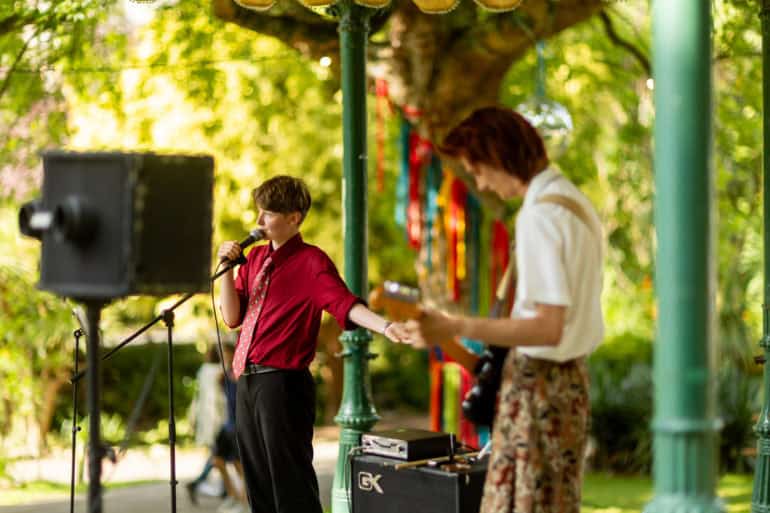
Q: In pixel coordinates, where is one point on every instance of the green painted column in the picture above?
(357, 413)
(760, 500)
(685, 426)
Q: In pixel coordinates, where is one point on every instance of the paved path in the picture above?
(156, 498)
(153, 465)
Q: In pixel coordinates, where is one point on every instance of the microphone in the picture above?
(253, 236)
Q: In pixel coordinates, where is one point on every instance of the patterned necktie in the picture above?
(256, 301)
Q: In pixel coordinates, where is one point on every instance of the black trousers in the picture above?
(274, 416)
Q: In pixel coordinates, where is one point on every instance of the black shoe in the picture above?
(192, 492)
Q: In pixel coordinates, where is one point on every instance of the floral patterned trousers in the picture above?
(539, 437)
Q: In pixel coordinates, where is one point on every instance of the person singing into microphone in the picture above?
(277, 299)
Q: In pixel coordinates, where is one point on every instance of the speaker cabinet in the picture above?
(376, 487)
(125, 223)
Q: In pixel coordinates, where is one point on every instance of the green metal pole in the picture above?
(357, 413)
(685, 426)
(760, 499)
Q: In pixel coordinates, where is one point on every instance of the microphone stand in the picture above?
(168, 320)
(93, 398)
(93, 309)
(75, 428)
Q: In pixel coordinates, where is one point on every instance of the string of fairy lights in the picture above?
(193, 65)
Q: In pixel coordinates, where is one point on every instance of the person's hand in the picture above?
(431, 328)
(229, 250)
(396, 332)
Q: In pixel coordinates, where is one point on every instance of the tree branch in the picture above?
(723, 56)
(644, 62)
(10, 23)
(7, 80)
(311, 38)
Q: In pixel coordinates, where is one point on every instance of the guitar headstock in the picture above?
(400, 302)
(401, 292)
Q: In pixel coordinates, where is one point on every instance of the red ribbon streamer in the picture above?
(500, 254)
(419, 156)
(456, 236)
(381, 90)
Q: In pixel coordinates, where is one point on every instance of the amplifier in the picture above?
(377, 487)
(407, 444)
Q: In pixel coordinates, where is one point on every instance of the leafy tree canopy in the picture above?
(251, 90)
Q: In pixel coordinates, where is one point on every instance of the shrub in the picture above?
(621, 404)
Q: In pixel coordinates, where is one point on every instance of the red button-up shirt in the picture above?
(303, 283)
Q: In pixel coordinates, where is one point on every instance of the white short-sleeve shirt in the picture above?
(559, 262)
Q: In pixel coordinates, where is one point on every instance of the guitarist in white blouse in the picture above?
(543, 408)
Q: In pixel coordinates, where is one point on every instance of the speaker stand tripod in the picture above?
(96, 450)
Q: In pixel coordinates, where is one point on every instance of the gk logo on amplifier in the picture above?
(368, 482)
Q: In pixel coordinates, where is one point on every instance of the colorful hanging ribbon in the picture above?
(467, 429)
(436, 395)
(454, 221)
(473, 243)
(500, 253)
(452, 378)
(402, 187)
(381, 107)
(432, 189)
(420, 153)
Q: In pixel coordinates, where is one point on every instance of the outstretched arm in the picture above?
(365, 318)
(544, 329)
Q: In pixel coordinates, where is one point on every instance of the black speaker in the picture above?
(115, 224)
(377, 487)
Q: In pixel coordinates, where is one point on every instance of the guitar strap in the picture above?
(504, 288)
(574, 207)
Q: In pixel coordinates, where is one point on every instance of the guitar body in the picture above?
(400, 302)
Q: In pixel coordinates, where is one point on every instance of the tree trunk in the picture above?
(442, 66)
(51, 388)
(329, 346)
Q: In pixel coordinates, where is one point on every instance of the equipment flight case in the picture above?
(378, 485)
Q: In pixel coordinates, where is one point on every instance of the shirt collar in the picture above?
(538, 183)
(288, 248)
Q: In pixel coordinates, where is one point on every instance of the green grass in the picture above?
(602, 493)
(612, 494)
(46, 491)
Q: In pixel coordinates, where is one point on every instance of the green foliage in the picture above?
(605, 90)
(621, 408)
(621, 404)
(35, 336)
(738, 154)
(123, 377)
(36, 40)
(739, 400)
(399, 377)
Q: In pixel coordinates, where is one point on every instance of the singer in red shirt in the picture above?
(277, 298)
